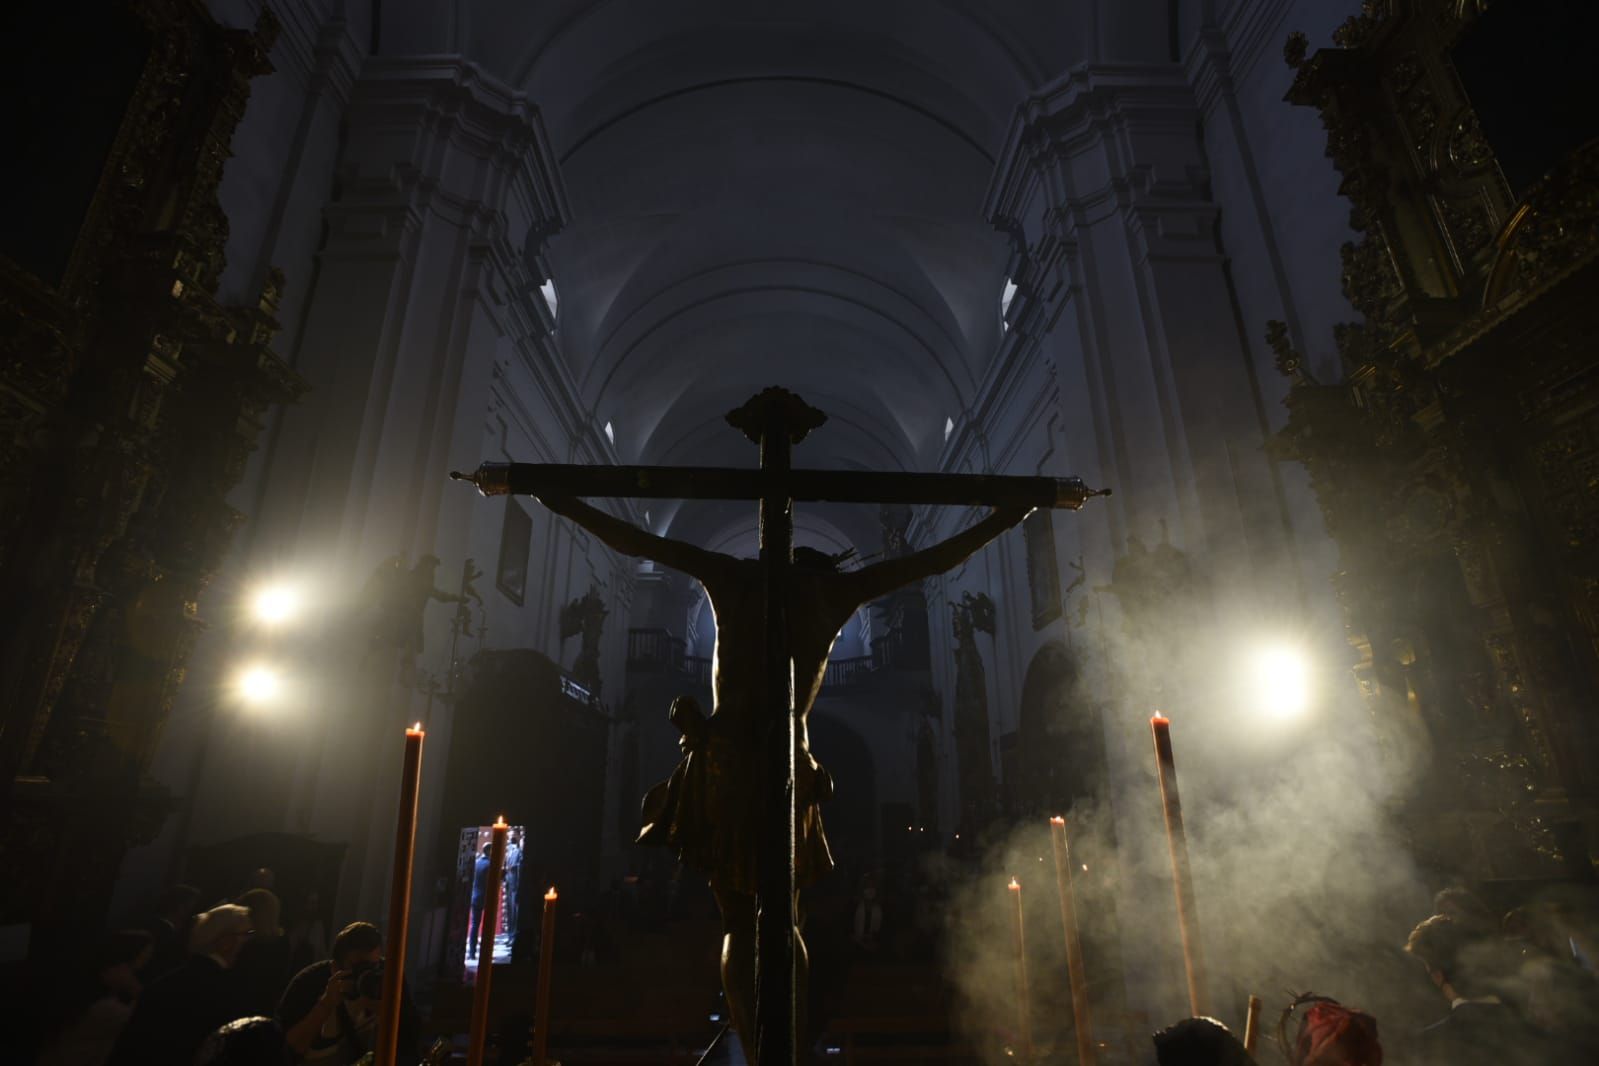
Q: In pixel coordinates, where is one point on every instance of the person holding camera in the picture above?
(329, 1011)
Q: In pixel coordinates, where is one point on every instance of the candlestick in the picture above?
(1182, 877)
(1023, 1013)
(1252, 1025)
(477, 1035)
(1074, 947)
(388, 1022)
(541, 1007)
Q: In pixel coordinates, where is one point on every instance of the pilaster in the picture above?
(427, 282)
(1104, 189)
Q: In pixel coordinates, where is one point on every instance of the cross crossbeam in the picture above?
(809, 486)
(776, 420)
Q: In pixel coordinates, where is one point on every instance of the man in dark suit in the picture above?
(177, 1012)
(513, 883)
(480, 885)
(1481, 1028)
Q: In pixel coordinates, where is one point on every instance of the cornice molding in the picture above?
(1075, 113)
(414, 109)
(337, 62)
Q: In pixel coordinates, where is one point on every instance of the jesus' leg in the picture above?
(738, 960)
(738, 966)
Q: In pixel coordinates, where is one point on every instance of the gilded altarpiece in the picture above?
(130, 400)
(1456, 458)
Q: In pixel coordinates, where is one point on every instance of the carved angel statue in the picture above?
(395, 601)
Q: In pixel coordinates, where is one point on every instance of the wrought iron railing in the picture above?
(658, 650)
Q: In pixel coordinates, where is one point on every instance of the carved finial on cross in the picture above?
(779, 406)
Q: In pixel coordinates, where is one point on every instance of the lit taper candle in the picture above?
(388, 1024)
(477, 1035)
(1182, 877)
(1024, 1022)
(1074, 946)
(541, 1006)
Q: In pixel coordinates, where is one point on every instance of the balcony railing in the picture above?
(654, 649)
(657, 650)
(843, 672)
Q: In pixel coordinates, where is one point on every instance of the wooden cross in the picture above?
(776, 420)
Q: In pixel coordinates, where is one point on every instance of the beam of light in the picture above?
(276, 604)
(259, 685)
(1281, 679)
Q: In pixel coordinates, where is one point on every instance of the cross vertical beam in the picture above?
(776, 420)
(776, 1006)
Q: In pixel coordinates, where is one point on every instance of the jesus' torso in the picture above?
(817, 610)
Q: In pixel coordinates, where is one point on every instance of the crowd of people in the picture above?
(227, 986)
(1521, 990)
(230, 986)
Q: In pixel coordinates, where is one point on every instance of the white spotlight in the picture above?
(1282, 682)
(275, 604)
(259, 684)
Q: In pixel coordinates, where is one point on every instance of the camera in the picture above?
(366, 980)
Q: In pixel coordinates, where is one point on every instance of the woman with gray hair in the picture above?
(178, 1012)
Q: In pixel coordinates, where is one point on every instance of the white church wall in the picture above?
(1281, 223)
(428, 349)
(1126, 320)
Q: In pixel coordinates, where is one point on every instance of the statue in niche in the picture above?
(896, 520)
(901, 615)
(709, 810)
(972, 615)
(585, 617)
(396, 599)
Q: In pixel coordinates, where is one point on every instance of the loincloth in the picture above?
(709, 811)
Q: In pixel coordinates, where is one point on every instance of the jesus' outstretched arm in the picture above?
(879, 579)
(631, 540)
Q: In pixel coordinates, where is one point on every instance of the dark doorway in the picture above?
(851, 815)
(1061, 744)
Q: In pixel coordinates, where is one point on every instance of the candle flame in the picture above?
(1014, 886)
(550, 896)
(417, 728)
(499, 823)
(1057, 820)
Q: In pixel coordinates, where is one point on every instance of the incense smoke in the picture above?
(1302, 878)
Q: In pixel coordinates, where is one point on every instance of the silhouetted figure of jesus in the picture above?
(710, 810)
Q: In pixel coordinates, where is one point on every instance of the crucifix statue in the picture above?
(742, 806)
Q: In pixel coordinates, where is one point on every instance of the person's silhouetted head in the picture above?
(357, 942)
(1330, 1034)
(1465, 908)
(1199, 1042)
(246, 1042)
(265, 911)
(221, 932)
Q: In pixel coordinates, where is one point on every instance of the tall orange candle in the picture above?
(1252, 1025)
(541, 1007)
(388, 1024)
(477, 1035)
(1023, 1013)
(1074, 946)
(1182, 877)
